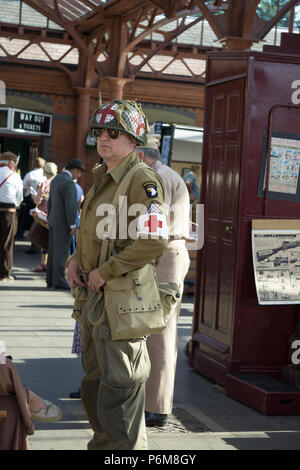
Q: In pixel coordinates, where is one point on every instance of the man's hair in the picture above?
(9, 156)
(39, 162)
(194, 168)
(154, 154)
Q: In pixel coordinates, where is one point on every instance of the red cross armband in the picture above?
(153, 224)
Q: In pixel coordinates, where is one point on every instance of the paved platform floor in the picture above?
(36, 324)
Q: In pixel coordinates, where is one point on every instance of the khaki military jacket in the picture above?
(146, 188)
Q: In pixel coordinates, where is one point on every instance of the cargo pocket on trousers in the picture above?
(126, 363)
(80, 295)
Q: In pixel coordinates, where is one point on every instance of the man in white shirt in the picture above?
(172, 266)
(31, 181)
(33, 178)
(11, 196)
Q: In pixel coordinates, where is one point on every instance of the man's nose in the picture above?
(104, 134)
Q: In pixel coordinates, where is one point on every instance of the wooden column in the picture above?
(83, 109)
(236, 43)
(199, 117)
(116, 87)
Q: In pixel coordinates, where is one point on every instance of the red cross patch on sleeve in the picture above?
(153, 224)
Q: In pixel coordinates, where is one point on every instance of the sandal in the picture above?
(50, 414)
(40, 268)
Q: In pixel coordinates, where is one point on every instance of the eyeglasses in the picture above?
(112, 133)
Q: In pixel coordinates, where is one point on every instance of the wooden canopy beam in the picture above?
(169, 37)
(44, 10)
(249, 18)
(111, 28)
(212, 19)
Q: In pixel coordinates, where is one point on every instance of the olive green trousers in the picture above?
(113, 389)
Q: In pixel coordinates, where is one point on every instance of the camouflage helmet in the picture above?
(122, 115)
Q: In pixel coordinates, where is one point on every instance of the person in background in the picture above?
(41, 201)
(79, 199)
(22, 406)
(31, 181)
(76, 345)
(11, 196)
(62, 213)
(172, 266)
(191, 181)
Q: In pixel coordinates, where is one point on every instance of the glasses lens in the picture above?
(112, 133)
(97, 132)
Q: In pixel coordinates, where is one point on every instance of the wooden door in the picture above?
(33, 154)
(214, 318)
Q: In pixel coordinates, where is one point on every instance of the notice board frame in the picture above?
(279, 262)
(281, 196)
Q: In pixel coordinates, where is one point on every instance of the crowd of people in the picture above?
(28, 202)
(129, 373)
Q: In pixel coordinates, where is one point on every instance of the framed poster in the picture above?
(284, 167)
(166, 149)
(276, 261)
(185, 171)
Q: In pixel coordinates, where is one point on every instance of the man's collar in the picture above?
(156, 164)
(119, 172)
(67, 171)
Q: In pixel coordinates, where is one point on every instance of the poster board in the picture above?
(284, 167)
(276, 260)
(166, 132)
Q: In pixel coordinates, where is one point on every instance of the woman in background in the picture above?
(41, 201)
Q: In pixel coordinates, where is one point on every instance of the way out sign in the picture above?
(31, 122)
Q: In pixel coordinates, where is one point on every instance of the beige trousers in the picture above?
(162, 348)
(113, 389)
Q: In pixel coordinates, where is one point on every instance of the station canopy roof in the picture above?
(168, 39)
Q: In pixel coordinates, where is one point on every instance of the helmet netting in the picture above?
(124, 114)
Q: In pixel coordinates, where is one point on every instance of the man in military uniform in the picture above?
(172, 266)
(113, 389)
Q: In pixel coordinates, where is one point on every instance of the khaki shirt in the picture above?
(130, 253)
(177, 201)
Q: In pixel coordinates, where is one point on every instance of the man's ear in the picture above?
(141, 155)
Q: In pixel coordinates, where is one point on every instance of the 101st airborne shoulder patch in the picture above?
(151, 189)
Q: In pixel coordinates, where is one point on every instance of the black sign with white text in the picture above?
(34, 123)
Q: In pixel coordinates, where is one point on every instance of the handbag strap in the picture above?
(5, 179)
(107, 243)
